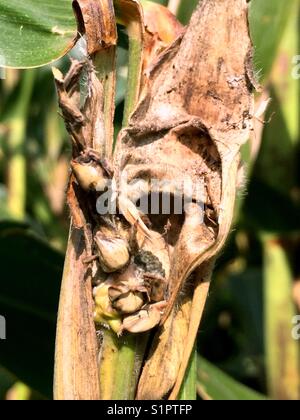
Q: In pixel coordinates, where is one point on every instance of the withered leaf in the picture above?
(194, 116)
(163, 365)
(76, 373)
(76, 365)
(96, 19)
(130, 12)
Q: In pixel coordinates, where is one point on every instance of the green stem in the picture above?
(134, 71)
(126, 378)
(120, 364)
(121, 358)
(130, 14)
(16, 146)
(108, 364)
(189, 387)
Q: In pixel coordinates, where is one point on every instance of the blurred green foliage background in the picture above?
(246, 336)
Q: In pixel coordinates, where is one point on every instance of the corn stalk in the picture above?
(188, 111)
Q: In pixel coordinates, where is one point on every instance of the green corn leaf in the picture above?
(268, 19)
(214, 384)
(186, 9)
(34, 33)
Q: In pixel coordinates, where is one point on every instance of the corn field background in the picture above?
(249, 340)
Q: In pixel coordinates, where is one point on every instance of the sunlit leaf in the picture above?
(34, 33)
(268, 19)
(214, 384)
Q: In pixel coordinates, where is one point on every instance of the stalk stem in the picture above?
(189, 386)
(121, 358)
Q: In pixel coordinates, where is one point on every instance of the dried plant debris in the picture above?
(189, 125)
(171, 182)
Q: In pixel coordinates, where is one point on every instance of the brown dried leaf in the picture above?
(76, 367)
(94, 130)
(78, 219)
(203, 277)
(76, 370)
(69, 103)
(130, 13)
(296, 293)
(96, 19)
(161, 369)
(194, 115)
